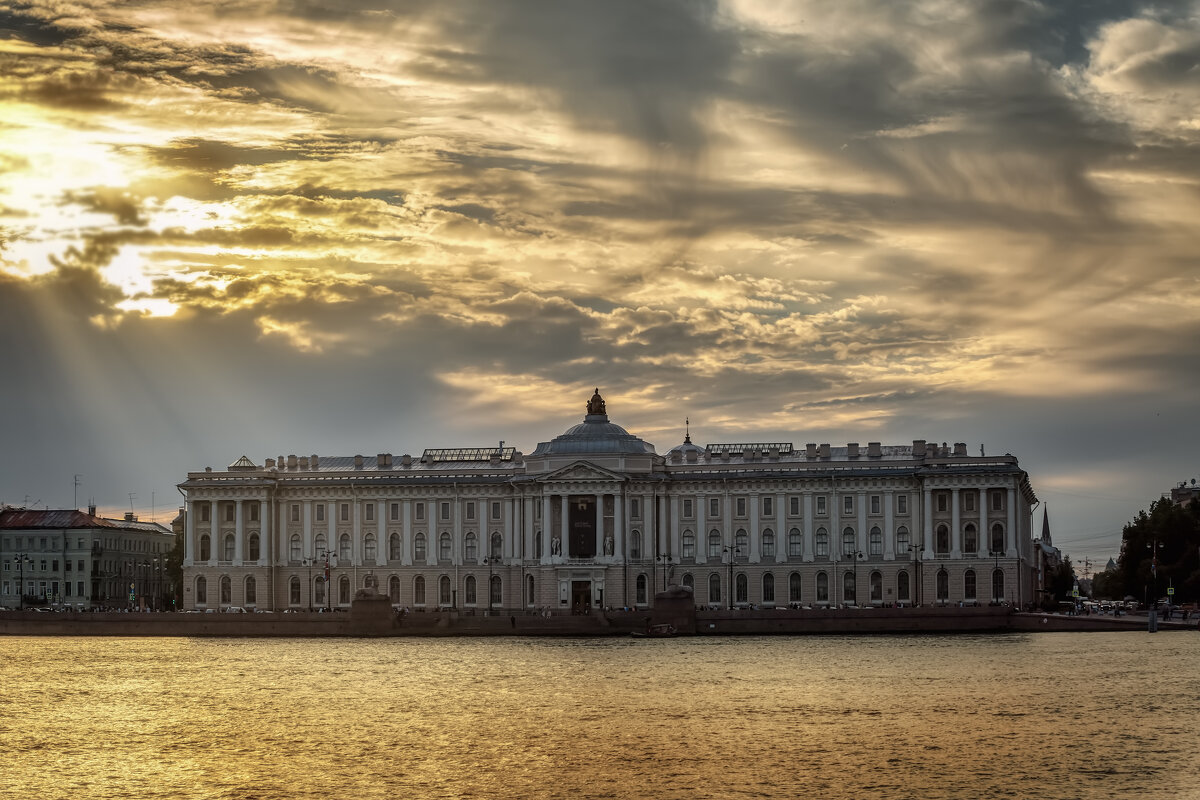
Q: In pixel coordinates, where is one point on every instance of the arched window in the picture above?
(321, 545)
(997, 585)
(419, 552)
(689, 582)
(942, 539)
(768, 588)
(794, 587)
(822, 543)
(848, 542)
(394, 547)
(369, 551)
(768, 543)
(419, 591)
(230, 547)
(444, 590)
(201, 589)
(496, 596)
(741, 541)
(294, 591)
(251, 591)
(205, 548)
(394, 589)
(876, 587)
(343, 590)
(743, 588)
(641, 589)
(849, 588)
(470, 596)
(444, 547)
(469, 549)
(344, 548)
(876, 541)
(226, 590)
(714, 588)
(319, 592)
(635, 545)
(970, 539)
(254, 549)
(497, 544)
(714, 544)
(294, 552)
(689, 544)
(969, 585)
(530, 595)
(902, 589)
(943, 585)
(997, 538)
(370, 581)
(822, 587)
(902, 544)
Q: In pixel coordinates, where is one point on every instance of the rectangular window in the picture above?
(941, 501)
(875, 504)
(714, 508)
(81, 543)
(445, 511)
(394, 512)
(369, 510)
(320, 512)
(229, 512)
(847, 504)
(204, 512)
(821, 506)
(43, 547)
(495, 510)
(419, 508)
(254, 512)
(470, 509)
(768, 506)
(741, 507)
(80, 563)
(54, 568)
(687, 508)
(969, 501)
(295, 513)
(901, 504)
(997, 501)
(67, 565)
(344, 512)
(635, 508)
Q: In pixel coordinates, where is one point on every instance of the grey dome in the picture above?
(595, 435)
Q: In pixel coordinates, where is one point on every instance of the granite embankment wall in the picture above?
(377, 622)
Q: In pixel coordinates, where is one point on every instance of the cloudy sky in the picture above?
(341, 226)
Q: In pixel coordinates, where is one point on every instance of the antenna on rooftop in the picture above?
(152, 506)
(77, 482)
(131, 496)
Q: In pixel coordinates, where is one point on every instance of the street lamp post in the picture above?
(733, 551)
(916, 593)
(858, 556)
(995, 554)
(21, 559)
(1152, 611)
(490, 561)
(665, 560)
(308, 562)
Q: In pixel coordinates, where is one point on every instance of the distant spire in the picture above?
(687, 430)
(1046, 524)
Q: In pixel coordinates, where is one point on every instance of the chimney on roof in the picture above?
(129, 517)
(358, 462)
(269, 463)
(303, 462)
(810, 450)
(960, 448)
(874, 450)
(918, 448)
(852, 449)
(293, 462)
(406, 460)
(824, 451)
(313, 462)
(91, 509)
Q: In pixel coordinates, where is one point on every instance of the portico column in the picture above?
(214, 536)
(308, 529)
(889, 527)
(527, 548)
(862, 524)
(600, 524)
(264, 533)
(755, 554)
(807, 532)
(1010, 537)
(563, 527)
(331, 545)
(674, 548)
(927, 520)
(547, 521)
(237, 533)
(781, 528)
(701, 528)
(955, 524)
(189, 541)
(406, 533)
(355, 536)
(382, 542)
(619, 525)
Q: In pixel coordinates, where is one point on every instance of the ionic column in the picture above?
(189, 541)
(889, 528)
(406, 533)
(1010, 535)
(619, 525)
(755, 554)
(600, 523)
(984, 534)
(264, 534)
(701, 529)
(214, 537)
(563, 527)
(863, 541)
(546, 521)
(238, 536)
(308, 529)
(927, 520)
(675, 548)
(955, 523)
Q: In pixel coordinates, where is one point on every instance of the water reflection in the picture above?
(1045, 715)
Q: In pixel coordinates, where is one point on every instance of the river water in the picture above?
(1101, 715)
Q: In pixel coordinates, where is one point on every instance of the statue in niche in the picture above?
(556, 546)
(608, 545)
(596, 404)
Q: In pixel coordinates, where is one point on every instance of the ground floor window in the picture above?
(201, 590)
(641, 589)
(714, 588)
(822, 587)
(742, 588)
(876, 587)
(794, 587)
(343, 590)
(294, 591)
(998, 585)
(226, 590)
(394, 589)
(902, 590)
(768, 588)
(419, 591)
(943, 585)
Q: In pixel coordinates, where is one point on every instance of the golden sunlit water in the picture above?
(1035, 715)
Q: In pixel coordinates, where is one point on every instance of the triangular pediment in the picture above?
(581, 471)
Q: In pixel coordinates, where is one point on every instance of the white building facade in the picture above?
(595, 517)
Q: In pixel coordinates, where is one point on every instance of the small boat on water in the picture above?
(661, 631)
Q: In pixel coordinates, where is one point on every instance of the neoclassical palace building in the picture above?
(595, 517)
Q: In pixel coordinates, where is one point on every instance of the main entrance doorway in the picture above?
(581, 597)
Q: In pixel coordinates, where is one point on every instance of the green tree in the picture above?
(1169, 535)
(1107, 585)
(174, 571)
(1062, 580)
